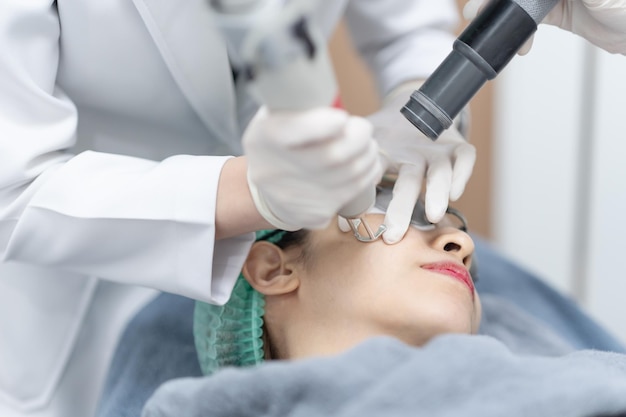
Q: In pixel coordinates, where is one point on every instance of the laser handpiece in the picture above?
(282, 57)
(480, 52)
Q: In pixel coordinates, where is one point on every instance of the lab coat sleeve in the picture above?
(402, 40)
(110, 216)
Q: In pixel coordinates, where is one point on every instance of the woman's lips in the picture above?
(453, 270)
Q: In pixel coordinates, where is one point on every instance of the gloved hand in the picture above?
(601, 22)
(303, 167)
(446, 164)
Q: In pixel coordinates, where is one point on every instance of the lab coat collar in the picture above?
(193, 50)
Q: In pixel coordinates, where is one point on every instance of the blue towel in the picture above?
(452, 375)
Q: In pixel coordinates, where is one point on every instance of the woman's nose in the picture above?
(456, 242)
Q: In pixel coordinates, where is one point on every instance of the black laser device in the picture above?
(480, 52)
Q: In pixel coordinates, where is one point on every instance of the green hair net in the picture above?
(231, 334)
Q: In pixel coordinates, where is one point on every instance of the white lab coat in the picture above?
(115, 120)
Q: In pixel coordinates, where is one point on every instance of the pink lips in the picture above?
(453, 270)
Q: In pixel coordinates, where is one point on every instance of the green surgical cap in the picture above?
(231, 334)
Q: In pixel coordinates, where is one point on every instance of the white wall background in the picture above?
(560, 170)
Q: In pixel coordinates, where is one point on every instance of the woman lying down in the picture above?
(345, 328)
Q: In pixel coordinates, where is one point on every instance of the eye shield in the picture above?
(419, 220)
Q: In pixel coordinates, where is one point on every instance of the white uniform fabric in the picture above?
(115, 120)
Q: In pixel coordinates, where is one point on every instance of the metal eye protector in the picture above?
(418, 217)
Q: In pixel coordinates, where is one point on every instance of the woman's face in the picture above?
(413, 290)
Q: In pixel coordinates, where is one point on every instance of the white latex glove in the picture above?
(601, 22)
(303, 167)
(446, 164)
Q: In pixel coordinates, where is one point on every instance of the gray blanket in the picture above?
(452, 375)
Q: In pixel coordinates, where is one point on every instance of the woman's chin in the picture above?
(445, 320)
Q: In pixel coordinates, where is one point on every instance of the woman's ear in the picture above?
(267, 270)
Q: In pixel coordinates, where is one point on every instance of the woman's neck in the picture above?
(308, 338)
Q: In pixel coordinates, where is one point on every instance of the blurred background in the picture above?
(550, 177)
